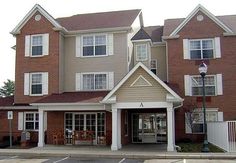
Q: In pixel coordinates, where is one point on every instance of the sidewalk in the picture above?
(105, 152)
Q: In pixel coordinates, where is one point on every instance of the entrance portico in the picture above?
(142, 90)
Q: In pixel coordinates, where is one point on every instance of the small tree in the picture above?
(192, 115)
(8, 88)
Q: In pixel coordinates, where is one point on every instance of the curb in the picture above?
(74, 154)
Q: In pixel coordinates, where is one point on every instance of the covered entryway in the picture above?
(140, 91)
(149, 128)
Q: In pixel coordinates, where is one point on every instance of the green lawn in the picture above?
(196, 147)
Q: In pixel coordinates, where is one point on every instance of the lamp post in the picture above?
(203, 70)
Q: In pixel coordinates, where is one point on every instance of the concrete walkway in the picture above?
(133, 151)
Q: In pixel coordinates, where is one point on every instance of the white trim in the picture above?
(17, 107)
(206, 12)
(34, 120)
(141, 105)
(142, 40)
(36, 8)
(141, 77)
(89, 107)
(30, 83)
(110, 94)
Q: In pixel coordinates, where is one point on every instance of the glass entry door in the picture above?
(149, 127)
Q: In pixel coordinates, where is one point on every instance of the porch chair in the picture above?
(58, 138)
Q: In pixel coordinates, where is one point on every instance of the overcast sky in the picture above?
(154, 13)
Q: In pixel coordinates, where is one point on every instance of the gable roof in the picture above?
(151, 32)
(140, 64)
(74, 97)
(111, 19)
(189, 17)
(36, 8)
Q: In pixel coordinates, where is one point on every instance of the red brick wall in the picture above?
(178, 67)
(48, 63)
(108, 128)
(55, 123)
(4, 126)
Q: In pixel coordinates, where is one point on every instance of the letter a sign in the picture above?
(10, 115)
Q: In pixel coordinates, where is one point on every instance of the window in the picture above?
(37, 45)
(31, 121)
(154, 66)
(94, 81)
(94, 45)
(210, 85)
(141, 52)
(36, 83)
(201, 49)
(194, 121)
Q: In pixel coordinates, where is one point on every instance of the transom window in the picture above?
(201, 49)
(37, 45)
(210, 85)
(36, 84)
(94, 45)
(141, 52)
(154, 66)
(94, 81)
(31, 121)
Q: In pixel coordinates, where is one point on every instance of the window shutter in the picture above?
(45, 121)
(188, 129)
(217, 47)
(45, 83)
(110, 50)
(26, 83)
(220, 116)
(20, 120)
(45, 43)
(110, 80)
(78, 46)
(27, 46)
(186, 49)
(187, 85)
(78, 83)
(219, 85)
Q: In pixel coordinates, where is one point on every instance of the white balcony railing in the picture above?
(222, 134)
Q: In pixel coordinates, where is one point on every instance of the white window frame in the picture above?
(155, 65)
(31, 45)
(94, 73)
(191, 86)
(94, 46)
(201, 40)
(136, 50)
(34, 120)
(31, 74)
(199, 112)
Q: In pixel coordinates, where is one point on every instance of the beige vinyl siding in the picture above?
(116, 63)
(141, 93)
(159, 53)
(61, 64)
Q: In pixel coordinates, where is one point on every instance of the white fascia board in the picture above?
(140, 64)
(100, 30)
(72, 107)
(205, 11)
(18, 107)
(65, 104)
(36, 8)
(141, 105)
(141, 40)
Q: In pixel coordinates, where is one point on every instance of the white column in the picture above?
(170, 129)
(119, 128)
(41, 129)
(114, 145)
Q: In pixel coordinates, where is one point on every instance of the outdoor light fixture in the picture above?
(203, 70)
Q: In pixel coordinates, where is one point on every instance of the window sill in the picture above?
(94, 56)
(36, 95)
(37, 56)
(141, 60)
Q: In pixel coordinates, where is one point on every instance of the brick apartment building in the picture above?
(105, 79)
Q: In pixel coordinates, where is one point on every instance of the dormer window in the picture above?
(141, 52)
